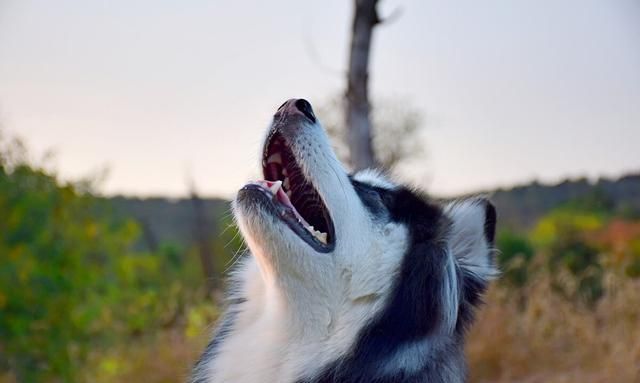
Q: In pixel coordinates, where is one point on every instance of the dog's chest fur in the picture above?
(263, 342)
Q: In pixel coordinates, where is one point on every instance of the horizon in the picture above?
(159, 93)
(506, 188)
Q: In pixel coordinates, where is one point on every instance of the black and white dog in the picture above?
(352, 278)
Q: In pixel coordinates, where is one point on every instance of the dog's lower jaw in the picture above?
(306, 280)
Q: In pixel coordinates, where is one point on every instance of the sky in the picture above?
(163, 92)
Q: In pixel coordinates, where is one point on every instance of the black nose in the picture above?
(304, 106)
(294, 106)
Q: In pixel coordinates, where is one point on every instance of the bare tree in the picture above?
(396, 131)
(357, 117)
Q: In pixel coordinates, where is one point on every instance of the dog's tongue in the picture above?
(276, 188)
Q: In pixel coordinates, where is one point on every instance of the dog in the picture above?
(350, 278)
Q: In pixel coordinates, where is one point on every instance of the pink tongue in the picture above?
(283, 198)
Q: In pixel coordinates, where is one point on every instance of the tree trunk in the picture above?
(358, 122)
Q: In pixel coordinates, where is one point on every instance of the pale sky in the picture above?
(160, 91)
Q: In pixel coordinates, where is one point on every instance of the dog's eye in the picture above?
(387, 198)
(371, 197)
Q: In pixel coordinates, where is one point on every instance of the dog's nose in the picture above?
(297, 106)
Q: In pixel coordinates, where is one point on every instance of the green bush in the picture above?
(574, 263)
(70, 281)
(514, 257)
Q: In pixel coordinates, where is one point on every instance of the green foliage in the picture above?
(574, 263)
(70, 280)
(582, 261)
(632, 268)
(514, 257)
(596, 201)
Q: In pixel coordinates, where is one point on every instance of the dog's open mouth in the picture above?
(298, 202)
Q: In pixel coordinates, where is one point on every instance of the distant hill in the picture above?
(173, 220)
(165, 220)
(520, 207)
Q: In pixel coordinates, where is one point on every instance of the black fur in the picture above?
(490, 222)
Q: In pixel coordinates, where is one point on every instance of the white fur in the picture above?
(467, 238)
(375, 178)
(451, 298)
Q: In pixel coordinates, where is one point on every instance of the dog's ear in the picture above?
(471, 237)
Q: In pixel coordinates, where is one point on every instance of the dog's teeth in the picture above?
(275, 158)
(289, 194)
(286, 183)
(322, 237)
(275, 187)
(285, 172)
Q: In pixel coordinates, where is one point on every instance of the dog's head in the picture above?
(331, 240)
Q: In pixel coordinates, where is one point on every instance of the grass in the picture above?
(540, 337)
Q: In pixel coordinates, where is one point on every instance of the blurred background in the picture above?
(127, 126)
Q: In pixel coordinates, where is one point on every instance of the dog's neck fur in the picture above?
(274, 342)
